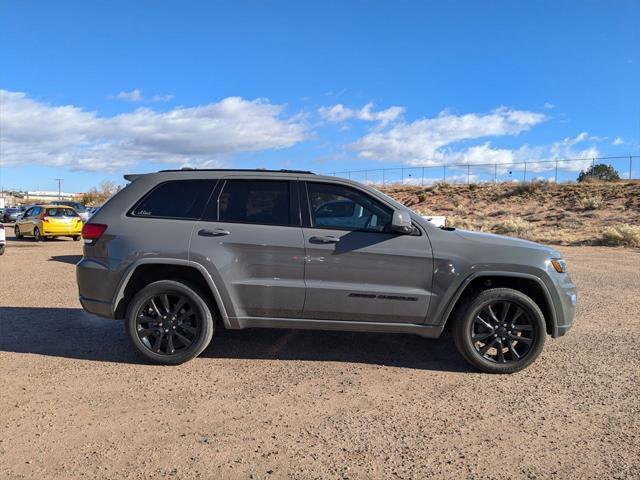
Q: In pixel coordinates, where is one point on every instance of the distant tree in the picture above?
(600, 171)
(97, 196)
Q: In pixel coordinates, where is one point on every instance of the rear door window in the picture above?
(262, 202)
(180, 199)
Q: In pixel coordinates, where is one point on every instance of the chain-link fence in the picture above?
(560, 170)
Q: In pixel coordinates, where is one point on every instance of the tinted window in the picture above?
(335, 206)
(176, 199)
(61, 212)
(265, 202)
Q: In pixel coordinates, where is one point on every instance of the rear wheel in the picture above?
(501, 331)
(169, 322)
(36, 235)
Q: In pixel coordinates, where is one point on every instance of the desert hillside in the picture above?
(565, 214)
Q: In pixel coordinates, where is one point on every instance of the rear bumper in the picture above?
(95, 287)
(96, 307)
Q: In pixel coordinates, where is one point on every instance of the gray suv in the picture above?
(179, 253)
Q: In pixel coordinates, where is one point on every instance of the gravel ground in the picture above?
(76, 402)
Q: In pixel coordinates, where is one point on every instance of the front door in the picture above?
(356, 269)
(250, 240)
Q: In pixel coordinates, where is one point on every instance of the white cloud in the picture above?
(68, 136)
(340, 113)
(422, 141)
(548, 106)
(137, 96)
(132, 96)
(618, 141)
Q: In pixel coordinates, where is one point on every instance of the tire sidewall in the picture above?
(36, 235)
(197, 301)
(463, 331)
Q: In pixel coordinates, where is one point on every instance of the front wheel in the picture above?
(36, 235)
(169, 322)
(16, 232)
(501, 331)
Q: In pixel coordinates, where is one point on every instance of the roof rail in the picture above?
(282, 170)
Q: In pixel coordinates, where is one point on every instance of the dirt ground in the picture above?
(76, 402)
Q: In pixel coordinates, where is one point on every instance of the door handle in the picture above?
(324, 239)
(216, 232)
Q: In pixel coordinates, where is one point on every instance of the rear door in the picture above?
(250, 240)
(356, 269)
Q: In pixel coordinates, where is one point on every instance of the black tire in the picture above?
(36, 235)
(76, 238)
(16, 232)
(2, 247)
(487, 336)
(154, 332)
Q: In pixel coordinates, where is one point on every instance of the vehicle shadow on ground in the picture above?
(73, 333)
(72, 259)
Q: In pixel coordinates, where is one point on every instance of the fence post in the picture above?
(593, 167)
(630, 165)
(468, 173)
(524, 178)
(556, 170)
(422, 181)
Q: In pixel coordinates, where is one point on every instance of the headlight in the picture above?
(559, 264)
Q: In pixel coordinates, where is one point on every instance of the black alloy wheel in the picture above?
(501, 330)
(169, 322)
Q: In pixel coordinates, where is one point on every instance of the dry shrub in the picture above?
(463, 223)
(515, 227)
(591, 202)
(623, 235)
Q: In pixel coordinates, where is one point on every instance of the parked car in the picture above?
(3, 239)
(11, 214)
(77, 206)
(45, 221)
(177, 251)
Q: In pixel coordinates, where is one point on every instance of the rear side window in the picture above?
(182, 199)
(263, 202)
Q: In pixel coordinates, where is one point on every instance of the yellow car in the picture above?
(44, 221)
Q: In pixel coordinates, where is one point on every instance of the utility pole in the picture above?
(59, 180)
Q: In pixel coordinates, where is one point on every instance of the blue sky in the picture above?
(92, 90)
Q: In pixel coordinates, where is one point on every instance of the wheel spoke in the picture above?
(158, 342)
(188, 328)
(178, 306)
(514, 355)
(516, 315)
(145, 332)
(500, 348)
(165, 303)
(142, 318)
(522, 328)
(483, 322)
(155, 307)
(170, 347)
(505, 310)
(524, 340)
(185, 341)
(493, 315)
(185, 315)
(478, 337)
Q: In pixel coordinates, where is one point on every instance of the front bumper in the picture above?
(565, 307)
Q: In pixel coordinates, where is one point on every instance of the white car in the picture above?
(3, 239)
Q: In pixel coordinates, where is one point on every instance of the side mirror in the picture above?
(401, 221)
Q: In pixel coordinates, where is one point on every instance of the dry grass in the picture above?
(623, 235)
(565, 214)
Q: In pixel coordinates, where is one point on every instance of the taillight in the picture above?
(91, 232)
(44, 217)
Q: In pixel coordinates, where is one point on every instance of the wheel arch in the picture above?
(528, 284)
(146, 271)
